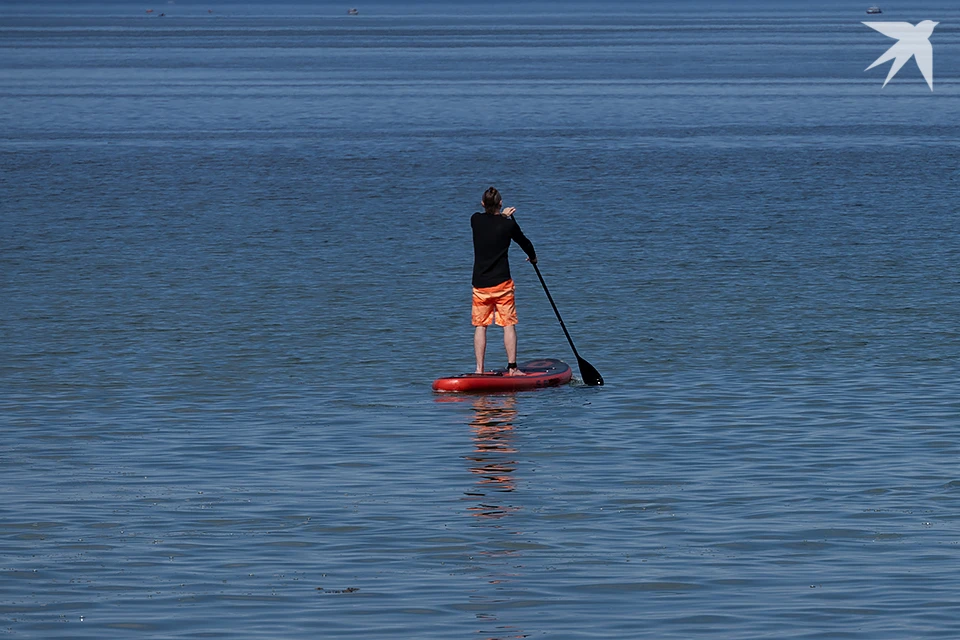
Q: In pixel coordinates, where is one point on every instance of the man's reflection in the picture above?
(493, 462)
(493, 459)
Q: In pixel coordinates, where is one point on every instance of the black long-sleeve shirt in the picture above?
(492, 234)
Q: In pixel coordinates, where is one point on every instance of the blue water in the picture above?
(235, 252)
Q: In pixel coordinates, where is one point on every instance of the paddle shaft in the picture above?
(556, 311)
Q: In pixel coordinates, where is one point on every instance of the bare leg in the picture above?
(480, 346)
(510, 344)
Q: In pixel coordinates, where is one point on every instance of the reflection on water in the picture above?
(494, 457)
(493, 462)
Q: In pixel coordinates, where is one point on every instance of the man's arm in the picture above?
(524, 242)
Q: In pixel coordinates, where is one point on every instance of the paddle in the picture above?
(590, 375)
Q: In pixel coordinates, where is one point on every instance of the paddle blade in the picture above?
(591, 377)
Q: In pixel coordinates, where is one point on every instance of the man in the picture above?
(493, 290)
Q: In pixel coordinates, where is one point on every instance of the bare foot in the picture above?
(515, 372)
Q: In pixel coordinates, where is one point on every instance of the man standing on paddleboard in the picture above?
(493, 290)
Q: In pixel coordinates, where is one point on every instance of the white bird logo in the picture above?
(912, 42)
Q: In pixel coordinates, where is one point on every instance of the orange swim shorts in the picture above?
(498, 298)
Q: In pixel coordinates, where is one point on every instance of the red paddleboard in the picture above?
(540, 373)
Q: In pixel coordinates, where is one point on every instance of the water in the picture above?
(235, 253)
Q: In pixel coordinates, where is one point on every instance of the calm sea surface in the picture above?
(235, 252)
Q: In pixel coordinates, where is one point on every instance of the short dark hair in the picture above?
(491, 199)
